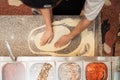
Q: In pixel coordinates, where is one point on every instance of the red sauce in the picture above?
(96, 71)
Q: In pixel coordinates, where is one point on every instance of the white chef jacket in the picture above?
(92, 8)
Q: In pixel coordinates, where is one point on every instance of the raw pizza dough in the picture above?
(58, 32)
(68, 21)
(14, 2)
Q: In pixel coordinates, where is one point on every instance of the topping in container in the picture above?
(13, 71)
(69, 71)
(41, 71)
(96, 71)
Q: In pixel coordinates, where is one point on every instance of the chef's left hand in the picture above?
(62, 41)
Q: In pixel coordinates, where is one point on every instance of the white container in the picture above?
(34, 70)
(34, 66)
(68, 64)
(6, 61)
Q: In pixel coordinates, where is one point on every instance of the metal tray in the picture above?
(34, 65)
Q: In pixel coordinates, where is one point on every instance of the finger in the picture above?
(57, 44)
(50, 39)
(43, 42)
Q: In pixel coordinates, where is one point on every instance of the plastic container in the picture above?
(69, 70)
(11, 70)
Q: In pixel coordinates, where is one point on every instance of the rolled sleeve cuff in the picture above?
(92, 8)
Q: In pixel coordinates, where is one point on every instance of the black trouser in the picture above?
(69, 7)
(66, 7)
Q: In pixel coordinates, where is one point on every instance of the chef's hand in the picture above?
(62, 41)
(46, 37)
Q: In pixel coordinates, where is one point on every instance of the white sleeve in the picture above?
(92, 8)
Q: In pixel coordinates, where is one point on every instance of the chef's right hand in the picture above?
(46, 37)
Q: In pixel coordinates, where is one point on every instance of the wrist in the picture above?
(70, 36)
(49, 28)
